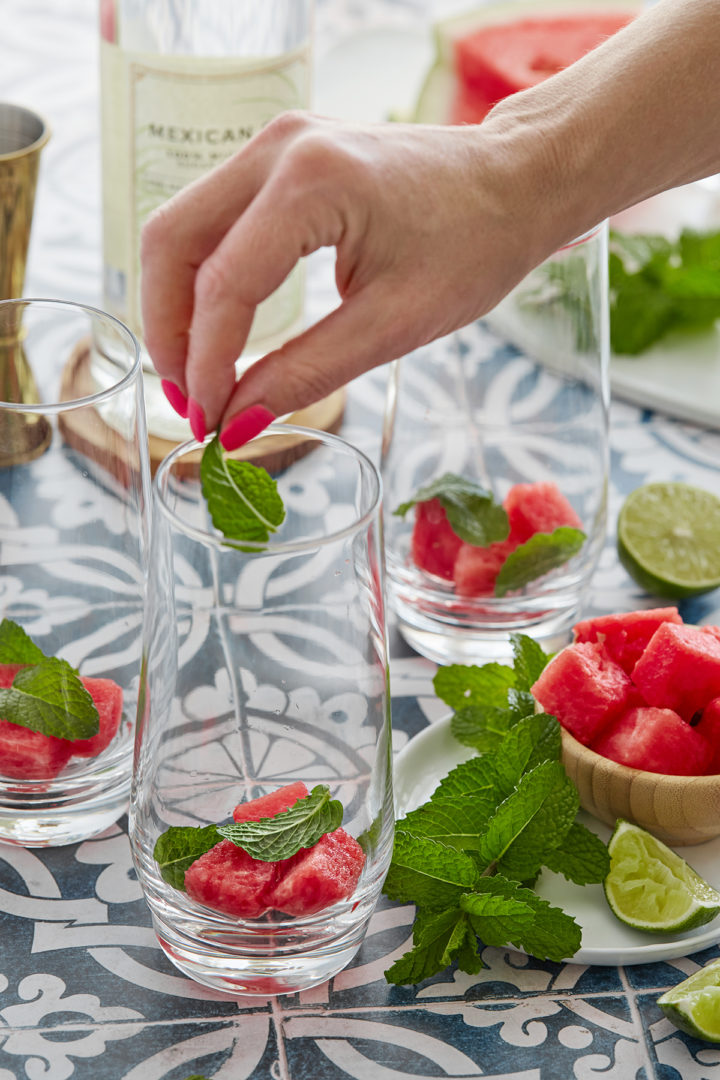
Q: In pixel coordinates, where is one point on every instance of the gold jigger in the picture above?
(23, 134)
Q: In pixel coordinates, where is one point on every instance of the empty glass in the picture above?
(265, 670)
(516, 405)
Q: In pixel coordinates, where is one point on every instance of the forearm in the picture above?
(637, 116)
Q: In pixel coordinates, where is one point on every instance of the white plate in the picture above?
(430, 756)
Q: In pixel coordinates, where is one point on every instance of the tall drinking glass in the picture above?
(73, 551)
(494, 463)
(265, 677)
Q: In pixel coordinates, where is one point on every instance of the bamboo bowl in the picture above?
(679, 810)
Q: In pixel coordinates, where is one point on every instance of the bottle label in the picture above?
(166, 120)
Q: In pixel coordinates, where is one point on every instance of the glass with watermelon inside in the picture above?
(265, 708)
(494, 466)
(74, 491)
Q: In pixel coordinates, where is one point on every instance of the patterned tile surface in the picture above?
(86, 993)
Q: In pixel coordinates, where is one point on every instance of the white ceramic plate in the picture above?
(430, 756)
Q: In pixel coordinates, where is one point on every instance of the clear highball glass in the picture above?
(263, 669)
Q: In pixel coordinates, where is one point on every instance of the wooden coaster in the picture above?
(87, 431)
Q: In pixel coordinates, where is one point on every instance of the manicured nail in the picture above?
(176, 397)
(245, 426)
(197, 420)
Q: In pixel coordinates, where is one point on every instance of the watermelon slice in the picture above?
(319, 876)
(537, 508)
(272, 804)
(584, 689)
(625, 635)
(679, 669)
(227, 879)
(434, 544)
(476, 568)
(656, 740)
(108, 698)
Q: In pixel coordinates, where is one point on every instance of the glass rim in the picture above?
(219, 542)
(584, 237)
(37, 143)
(53, 408)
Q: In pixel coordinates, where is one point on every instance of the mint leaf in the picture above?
(580, 856)
(438, 937)
(427, 873)
(549, 935)
(242, 498)
(530, 822)
(474, 778)
(481, 728)
(179, 846)
(459, 685)
(471, 510)
(16, 647)
(532, 740)
(49, 698)
(282, 836)
(537, 556)
(499, 910)
(529, 660)
(456, 821)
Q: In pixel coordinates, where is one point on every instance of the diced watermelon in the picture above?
(27, 754)
(584, 689)
(534, 508)
(476, 568)
(108, 698)
(227, 879)
(679, 669)
(434, 544)
(319, 876)
(709, 728)
(8, 673)
(656, 740)
(625, 635)
(272, 804)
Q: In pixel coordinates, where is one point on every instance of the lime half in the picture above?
(694, 1004)
(667, 539)
(653, 889)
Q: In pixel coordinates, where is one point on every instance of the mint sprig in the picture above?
(242, 498)
(47, 694)
(471, 510)
(465, 856)
(539, 555)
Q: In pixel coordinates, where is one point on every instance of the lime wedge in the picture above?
(694, 1004)
(667, 539)
(651, 888)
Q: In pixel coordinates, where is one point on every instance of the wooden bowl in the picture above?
(679, 810)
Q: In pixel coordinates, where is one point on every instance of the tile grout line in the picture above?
(277, 1016)
(631, 995)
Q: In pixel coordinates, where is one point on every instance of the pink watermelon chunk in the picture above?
(537, 508)
(709, 728)
(625, 635)
(434, 544)
(272, 804)
(108, 698)
(319, 876)
(27, 754)
(584, 689)
(476, 568)
(679, 669)
(227, 879)
(656, 740)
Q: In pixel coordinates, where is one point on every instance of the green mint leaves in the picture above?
(465, 856)
(657, 285)
(242, 498)
(270, 839)
(47, 694)
(475, 516)
(282, 836)
(471, 510)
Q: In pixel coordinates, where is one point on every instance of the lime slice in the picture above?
(694, 1004)
(651, 888)
(667, 539)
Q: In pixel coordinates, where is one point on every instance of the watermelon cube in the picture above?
(26, 754)
(709, 728)
(476, 568)
(656, 740)
(272, 804)
(108, 698)
(227, 879)
(534, 508)
(625, 635)
(434, 544)
(318, 876)
(584, 689)
(679, 669)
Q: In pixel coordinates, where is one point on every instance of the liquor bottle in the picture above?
(184, 84)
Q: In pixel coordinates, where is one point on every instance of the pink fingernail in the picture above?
(197, 420)
(245, 426)
(176, 397)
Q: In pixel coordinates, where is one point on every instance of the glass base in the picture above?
(35, 820)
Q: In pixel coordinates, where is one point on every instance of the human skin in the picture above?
(432, 225)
